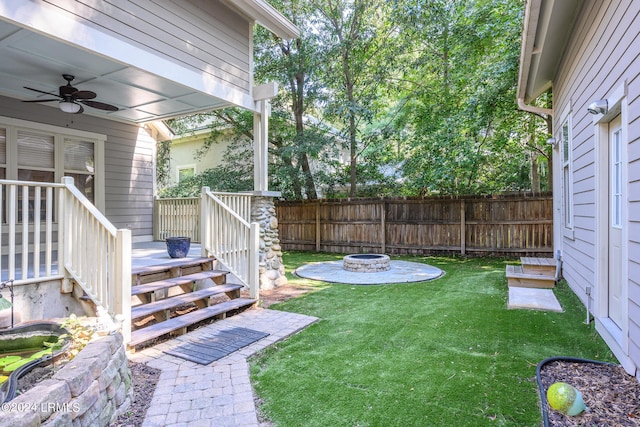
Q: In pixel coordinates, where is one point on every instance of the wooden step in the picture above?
(540, 266)
(176, 281)
(178, 300)
(178, 263)
(517, 277)
(180, 323)
(180, 267)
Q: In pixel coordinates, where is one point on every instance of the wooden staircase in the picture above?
(170, 297)
(533, 273)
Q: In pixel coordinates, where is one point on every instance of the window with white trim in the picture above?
(616, 179)
(44, 153)
(567, 175)
(185, 172)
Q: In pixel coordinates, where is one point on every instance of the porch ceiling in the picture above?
(33, 60)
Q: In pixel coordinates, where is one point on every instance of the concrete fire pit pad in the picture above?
(400, 272)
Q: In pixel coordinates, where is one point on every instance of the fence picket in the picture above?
(518, 224)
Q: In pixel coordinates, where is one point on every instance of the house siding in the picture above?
(129, 154)
(217, 42)
(602, 55)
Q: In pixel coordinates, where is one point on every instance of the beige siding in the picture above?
(183, 153)
(199, 34)
(129, 176)
(601, 55)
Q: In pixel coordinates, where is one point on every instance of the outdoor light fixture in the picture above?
(600, 106)
(552, 141)
(69, 107)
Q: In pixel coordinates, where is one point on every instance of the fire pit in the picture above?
(367, 263)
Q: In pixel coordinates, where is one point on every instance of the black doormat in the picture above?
(211, 348)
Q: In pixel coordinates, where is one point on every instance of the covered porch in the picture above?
(77, 160)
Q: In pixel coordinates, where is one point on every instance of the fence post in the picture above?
(317, 225)
(383, 227)
(254, 267)
(463, 228)
(121, 284)
(156, 219)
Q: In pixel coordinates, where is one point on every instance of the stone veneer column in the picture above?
(263, 211)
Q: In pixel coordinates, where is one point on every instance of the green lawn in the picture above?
(439, 353)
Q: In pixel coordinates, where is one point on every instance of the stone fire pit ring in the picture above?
(367, 263)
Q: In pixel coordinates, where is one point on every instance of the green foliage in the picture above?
(79, 335)
(163, 159)
(406, 97)
(446, 352)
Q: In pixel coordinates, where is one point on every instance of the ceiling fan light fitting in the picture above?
(69, 107)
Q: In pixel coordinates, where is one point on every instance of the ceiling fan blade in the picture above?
(83, 94)
(41, 91)
(41, 100)
(100, 105)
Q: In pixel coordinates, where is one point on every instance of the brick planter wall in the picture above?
(93, 389)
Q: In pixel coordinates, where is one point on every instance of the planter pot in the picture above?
(178, 247)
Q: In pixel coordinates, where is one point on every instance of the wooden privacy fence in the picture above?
(511, 225)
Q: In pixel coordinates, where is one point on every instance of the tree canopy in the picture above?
(401, 97)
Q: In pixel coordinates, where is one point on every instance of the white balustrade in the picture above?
(90, 251)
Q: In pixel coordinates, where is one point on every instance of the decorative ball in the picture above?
(565, 398)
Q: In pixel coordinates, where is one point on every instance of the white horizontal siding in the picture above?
(206, 36)
(128, 165)
(602, 54)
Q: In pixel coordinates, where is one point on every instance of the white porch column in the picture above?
(261, 146)
(262, 94)
(271, 269)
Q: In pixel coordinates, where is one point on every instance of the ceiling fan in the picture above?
(70, 98)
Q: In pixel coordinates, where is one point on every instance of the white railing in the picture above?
(77, 245)
(177, 217)
(240, 203)
(28, 251)
(231, 239)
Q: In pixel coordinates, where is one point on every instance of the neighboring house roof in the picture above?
(546, 28)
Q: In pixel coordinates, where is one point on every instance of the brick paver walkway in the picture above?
(218, 394)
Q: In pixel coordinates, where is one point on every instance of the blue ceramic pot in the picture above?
(178, 247)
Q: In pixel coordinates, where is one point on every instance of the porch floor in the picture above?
(151, 253)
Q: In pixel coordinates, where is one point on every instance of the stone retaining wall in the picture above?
(93, 389)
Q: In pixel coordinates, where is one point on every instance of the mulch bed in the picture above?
(144, 379)
(612, 395)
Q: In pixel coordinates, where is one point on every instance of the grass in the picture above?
(440, 353)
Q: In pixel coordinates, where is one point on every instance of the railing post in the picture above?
(121, 282)
(254, 267)
(205, 226)
(64, 249)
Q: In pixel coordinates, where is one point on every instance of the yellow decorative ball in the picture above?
(565, 398)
